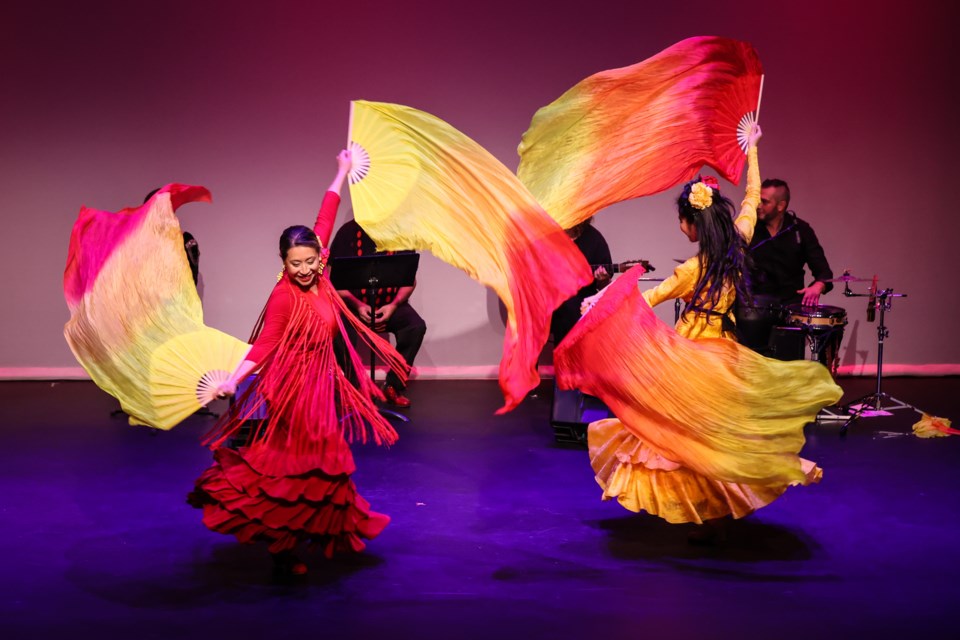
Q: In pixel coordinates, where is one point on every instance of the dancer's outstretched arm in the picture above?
(278, 308)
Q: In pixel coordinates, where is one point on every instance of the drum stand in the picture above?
(879, 402)
(818, 342)
(817, 345)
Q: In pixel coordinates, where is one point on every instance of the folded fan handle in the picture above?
(350, 119)
(756, 120)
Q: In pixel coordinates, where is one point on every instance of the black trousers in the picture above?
(408, 329)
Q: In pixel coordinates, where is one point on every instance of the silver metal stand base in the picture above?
(872, 405)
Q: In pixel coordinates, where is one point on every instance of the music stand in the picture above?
(372, 272)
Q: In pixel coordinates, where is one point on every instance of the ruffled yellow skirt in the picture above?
(641, 479)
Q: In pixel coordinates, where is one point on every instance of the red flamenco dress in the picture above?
(291, 483)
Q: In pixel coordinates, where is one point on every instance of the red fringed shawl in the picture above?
(312, 407)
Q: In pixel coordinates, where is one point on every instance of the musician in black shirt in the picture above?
(782, 245)
(594, 248)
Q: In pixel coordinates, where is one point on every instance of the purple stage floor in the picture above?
(497, 532)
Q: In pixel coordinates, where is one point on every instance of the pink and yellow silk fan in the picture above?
(136, 324)
(418, 183)
(635, 131)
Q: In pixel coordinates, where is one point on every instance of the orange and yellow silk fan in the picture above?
(418, 183)
(659, 383)
(136, 324)
(635, 131)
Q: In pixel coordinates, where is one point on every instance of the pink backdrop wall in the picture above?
(103, 101)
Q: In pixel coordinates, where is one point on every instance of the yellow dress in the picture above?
(700, 438)
(696, 324)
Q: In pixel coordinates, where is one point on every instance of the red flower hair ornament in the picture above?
(710, 181)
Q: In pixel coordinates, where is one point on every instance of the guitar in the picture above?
(621, 267)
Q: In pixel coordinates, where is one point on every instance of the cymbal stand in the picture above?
(878, 401)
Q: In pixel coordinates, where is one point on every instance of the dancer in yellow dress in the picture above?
(696, 438)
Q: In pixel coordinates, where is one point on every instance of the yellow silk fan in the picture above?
(185, 372)
(384, 170)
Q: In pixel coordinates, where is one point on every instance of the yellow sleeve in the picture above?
(679, 285)
(747, 219)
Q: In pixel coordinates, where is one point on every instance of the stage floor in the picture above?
(497, 531)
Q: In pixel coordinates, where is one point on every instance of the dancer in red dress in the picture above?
(291, 483)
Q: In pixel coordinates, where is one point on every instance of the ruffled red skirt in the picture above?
(283, 511)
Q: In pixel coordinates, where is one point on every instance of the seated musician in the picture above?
(394, 313)
(782, 245)
(594, 248)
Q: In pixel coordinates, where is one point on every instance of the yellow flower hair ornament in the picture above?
(701, 196)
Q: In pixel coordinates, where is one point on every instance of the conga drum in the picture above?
(822, 327)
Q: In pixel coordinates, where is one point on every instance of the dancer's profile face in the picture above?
(689, 229)
(302, 265)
